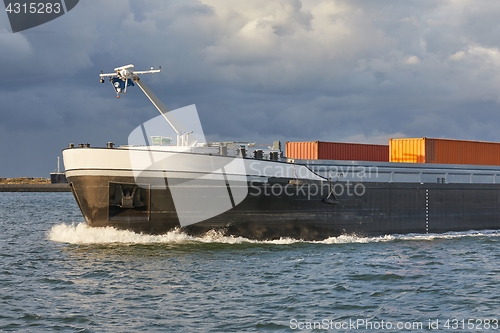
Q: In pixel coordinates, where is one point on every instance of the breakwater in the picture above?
(43, 187)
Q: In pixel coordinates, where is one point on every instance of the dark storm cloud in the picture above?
(257, 70)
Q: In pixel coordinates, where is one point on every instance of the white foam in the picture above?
(343, 239)
(81, 233)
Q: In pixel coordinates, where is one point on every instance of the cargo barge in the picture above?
(58, 177)
(243, 189)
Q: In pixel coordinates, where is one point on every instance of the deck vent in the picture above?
(274, 156)
(242, 152)
(258, 154)
(223, 150)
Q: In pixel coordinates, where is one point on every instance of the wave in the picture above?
(411, 237)
(81, 233)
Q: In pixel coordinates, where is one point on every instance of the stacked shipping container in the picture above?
(318, 150)
(405, 150)
(444, 151)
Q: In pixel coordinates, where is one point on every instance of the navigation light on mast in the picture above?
(124, 77)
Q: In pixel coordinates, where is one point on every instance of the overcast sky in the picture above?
(260, 70)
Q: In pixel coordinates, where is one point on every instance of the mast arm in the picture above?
(152, 71)
(107, 74)
(170, 118)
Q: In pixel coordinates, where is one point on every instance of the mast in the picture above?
(125, 76)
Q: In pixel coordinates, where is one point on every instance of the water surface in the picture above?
(57, 274)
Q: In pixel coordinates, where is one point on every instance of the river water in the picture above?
(57, 274)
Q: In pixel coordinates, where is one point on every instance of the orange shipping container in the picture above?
(444, 151)
(318, 150)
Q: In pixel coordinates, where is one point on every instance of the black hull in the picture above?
(299, 210)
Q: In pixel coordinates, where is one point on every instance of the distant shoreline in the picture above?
(31, 185)
(34, 188)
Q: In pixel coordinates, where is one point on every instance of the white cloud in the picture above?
(460, 55)
(412, 60)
